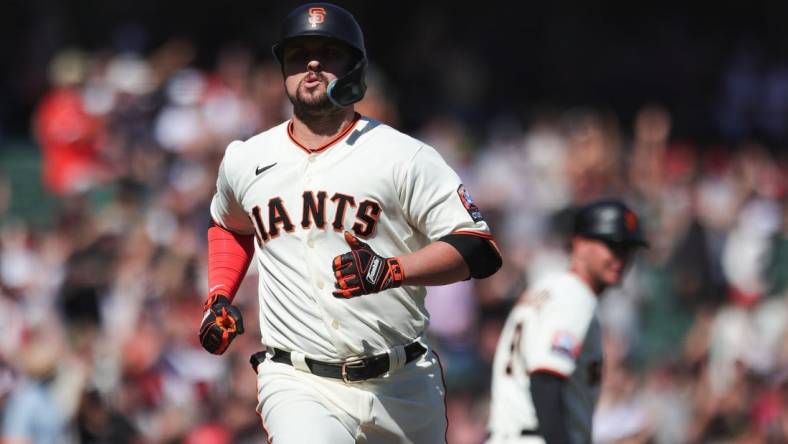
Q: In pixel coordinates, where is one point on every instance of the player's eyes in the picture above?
(295, 55)
(329, 54)
(333, 53)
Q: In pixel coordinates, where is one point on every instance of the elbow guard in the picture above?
(480, 253)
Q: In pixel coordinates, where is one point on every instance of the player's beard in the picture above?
(317, 106)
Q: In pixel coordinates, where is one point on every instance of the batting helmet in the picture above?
(611, 221)
(330, 21)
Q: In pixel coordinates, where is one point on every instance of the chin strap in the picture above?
(350, 88)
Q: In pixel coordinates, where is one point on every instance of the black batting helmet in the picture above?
(330, 21)
(609, 220)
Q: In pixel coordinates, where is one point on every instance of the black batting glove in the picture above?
(362, 271)
(221, 323)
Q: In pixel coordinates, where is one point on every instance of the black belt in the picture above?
(349, 371)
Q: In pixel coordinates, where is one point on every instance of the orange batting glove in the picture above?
(362, 271)
(221, 323)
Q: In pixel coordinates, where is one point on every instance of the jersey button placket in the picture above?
(310, 165)
(308, 186)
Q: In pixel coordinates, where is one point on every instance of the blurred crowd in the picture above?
(100, 308)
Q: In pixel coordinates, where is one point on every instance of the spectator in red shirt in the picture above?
(66, 132)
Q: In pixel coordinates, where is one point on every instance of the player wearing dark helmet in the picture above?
(348, 220)
(547, 367)
(614, 233)
(326, 20)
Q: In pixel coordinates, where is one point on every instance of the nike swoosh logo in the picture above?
(259, 169)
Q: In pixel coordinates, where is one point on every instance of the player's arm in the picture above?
(362, 271)
(436, 264)
(434, 202)
(551, 346)
(229, 255)
(546, 392)
(230, 250)
(437, 204)
(452, 258)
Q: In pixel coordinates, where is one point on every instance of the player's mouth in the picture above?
(312, 81)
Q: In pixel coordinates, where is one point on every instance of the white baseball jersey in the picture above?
(554, 329)
(391, 190)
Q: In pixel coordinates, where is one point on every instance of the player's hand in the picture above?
(220, 325)
(362, 271)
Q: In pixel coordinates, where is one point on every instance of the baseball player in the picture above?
(547, 366)
(348, 220)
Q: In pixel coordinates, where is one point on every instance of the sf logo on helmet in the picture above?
(317, 16)
(630, 221)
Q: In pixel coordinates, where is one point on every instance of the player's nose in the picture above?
(313, 65)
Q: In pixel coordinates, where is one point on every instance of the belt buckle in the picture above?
(358, 363)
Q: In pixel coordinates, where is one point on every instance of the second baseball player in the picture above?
(548, 364)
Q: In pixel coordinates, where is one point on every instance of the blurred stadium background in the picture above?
(114, 116)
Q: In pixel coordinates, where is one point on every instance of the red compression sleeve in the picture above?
(229, 255)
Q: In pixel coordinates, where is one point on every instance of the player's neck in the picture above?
(315, 131)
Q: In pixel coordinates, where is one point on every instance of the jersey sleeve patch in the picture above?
(467, 202)
(565, 343)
